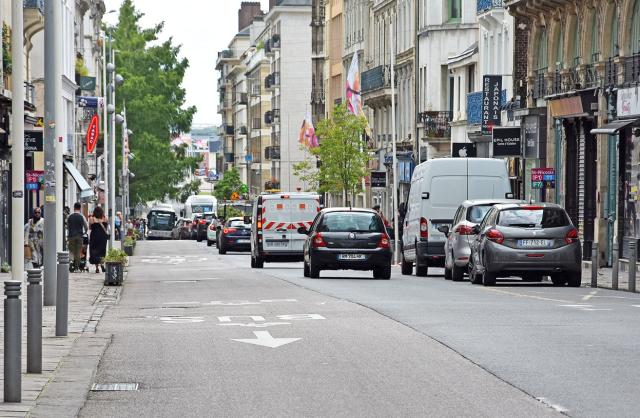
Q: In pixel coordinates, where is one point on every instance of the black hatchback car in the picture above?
(347, 239)
(235, 235)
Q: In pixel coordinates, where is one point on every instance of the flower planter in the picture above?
(113, 275)
(128, 249)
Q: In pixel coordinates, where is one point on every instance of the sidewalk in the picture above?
(605, 277)
(68, 363)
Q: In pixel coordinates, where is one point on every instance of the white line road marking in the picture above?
(179, 281)
(584, 307)
(265, 339)
(636, 306)
(521, 295)
(299, 317)
(253, 318)
(551, 405)
(181, 319)
(182, 303)
(590, 295)
(247, 302)
(255, 325)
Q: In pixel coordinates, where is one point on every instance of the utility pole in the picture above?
(124, 175)
(112, 154)
(396, 248)
(17, 143)
(53, 101)
(105, 144)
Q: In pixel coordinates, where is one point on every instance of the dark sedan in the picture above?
(347, 239)
(235, 235)
(529, 241)
(203, 224)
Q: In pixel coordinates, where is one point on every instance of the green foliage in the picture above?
(155, 99)
(229, 184)
(130, 241)
(5, 268)
(81, 68)
(6, 49)
(231, 212)
(342, 153)
(115, 255)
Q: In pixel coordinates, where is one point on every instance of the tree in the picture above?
(229, 184)
(342, 154)
(155, 100)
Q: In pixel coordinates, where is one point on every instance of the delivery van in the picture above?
(438, 187)
(274, 232)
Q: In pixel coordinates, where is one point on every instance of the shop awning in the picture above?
(614, 127)
(86, 190)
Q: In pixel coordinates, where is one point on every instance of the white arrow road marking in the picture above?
(584, 307)
(265, 339)
(636, 306)
(256, 325)
(590, 295)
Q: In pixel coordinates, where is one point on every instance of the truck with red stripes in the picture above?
(274, 232)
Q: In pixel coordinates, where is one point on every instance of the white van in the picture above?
(274, 232)
(199, 205)
(438, 187)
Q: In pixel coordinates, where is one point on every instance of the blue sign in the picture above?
(248, 158)
(31, 186)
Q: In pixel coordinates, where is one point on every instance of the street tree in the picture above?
(342, 154)
(228, 185)
(155, 103)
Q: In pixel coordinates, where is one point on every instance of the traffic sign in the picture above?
(235, 196)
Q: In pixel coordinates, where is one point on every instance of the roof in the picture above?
(475, 202)
(525, 204)
(347, 209)
(469, 52)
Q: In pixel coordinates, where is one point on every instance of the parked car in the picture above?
(235, 236)
(529, 241)
(203, 226)
(347, 239)
(212, 231)
(182, 229)
(457, 248)
(438, 186)
(274, 235)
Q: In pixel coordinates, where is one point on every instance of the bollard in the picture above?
(34, 321)
(616, 266)
(12, 342)
(633, 257)
(594, 264)
(62, 295)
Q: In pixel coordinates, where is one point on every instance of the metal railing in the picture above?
(436, 123)
(484, 5)
(376, 78)
(317, 94)
(272, 153)
(29, 93)
(539, 83)
(590, 76)
(474, 108)
(632, 69)
(34, 4)
(610, 73)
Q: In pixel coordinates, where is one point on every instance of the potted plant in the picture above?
(114, 267)
(129, 245)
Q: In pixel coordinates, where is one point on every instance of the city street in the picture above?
(204, 335)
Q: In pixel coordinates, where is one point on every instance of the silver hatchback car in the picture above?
(457, 248)
(526, 240)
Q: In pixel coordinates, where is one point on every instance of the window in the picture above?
(635, 29)
(576, 42)
(595, 38)
(534, 218)
(560, 48)
(455, 9)
(471, 78)
(351, 222)
(614, 47)
(476, 214)
(542, 48)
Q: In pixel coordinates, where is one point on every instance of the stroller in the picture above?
(82, 266)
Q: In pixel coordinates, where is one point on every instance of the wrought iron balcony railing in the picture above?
(34, 4)
(610, 73)
(376, 78)
(484, 5)
(474, 108)
(632, 69)
(539, 84)
(436, 123)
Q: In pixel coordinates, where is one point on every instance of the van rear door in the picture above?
(281, 219)
(303, 212)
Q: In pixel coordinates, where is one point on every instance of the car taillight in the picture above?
(464, 230)
(259, 224)
(202, 222)
(229, 230)
(384, 242)
(318, 241)
(495, 236)
(212, 227)
(424, 228)
(572, 236)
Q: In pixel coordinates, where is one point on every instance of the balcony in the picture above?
(317, 94)
(632, 69)
(242, 99)
(275, 41)
(272, 81)
(33, 17)
(436, 124)
(223, 57)
(276, 116)
(272, 153)
(268, 50)
(590, 76)
(474, 108)
(484, 6)
(376, 78)
(268, 117)
(610, 73)
(539, 84)
(256, 124)
(227, 129)
(242, 130)
(34, 4)
(229, 157)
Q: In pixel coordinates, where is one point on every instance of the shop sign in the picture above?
(379, 179)
(628, 102)
(532, 137)
(93, 132)
(506, 142)
(463, 150)
(543, 178)
(33, 179)
(491, 95)
(33, 141)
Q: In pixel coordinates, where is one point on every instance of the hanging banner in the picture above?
(506, 142)
(33, 141)
(90, 101)
(491, 94)
(93, 132)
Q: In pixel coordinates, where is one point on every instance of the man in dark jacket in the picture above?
(77, 227)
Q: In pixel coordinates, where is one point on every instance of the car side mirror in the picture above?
(508, 195)
(444, 229)
(247, 219)
(476, 229)
(303, 230)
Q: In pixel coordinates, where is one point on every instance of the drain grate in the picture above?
(111, 387)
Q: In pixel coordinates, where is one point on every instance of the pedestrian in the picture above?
(34, 237)
(117, 223)
(77, 227)
(379, 211)
(98, 238)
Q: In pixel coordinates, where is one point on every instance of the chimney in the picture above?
(248, 10)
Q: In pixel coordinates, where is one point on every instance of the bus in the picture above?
(200, 204)
(160, 222)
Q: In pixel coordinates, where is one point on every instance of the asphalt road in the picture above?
(188, 325)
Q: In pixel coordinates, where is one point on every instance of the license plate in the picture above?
(352, 257)
(534, 243)
(243, 241)
(277, 243)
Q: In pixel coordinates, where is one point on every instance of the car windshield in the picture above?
(201, 208)
(476, 214)
(162, 221)
(533, 218)
(351, 222)
(209, 217)
(238, 223)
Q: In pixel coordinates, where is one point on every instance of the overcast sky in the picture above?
(203, 27)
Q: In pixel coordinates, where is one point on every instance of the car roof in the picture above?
(236, 218)
(525, 204)
(294, 195)
(476, 202)
(348, 209)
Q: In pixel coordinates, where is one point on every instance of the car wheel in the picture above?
(314, 271)
(253, 262)
(447, 273)
(457, 273)
(558, 279)
(422, 271)
(209, 243)
(199, 239)
(575, 279)
(406, 267)
(382, 273)
(222, 250)
(259, 262)
(488, 278)
(305, 269)
(474, 277)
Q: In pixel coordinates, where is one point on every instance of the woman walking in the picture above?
(98, 238)
(34, 237)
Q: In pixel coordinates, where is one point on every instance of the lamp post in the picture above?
(116, 81)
